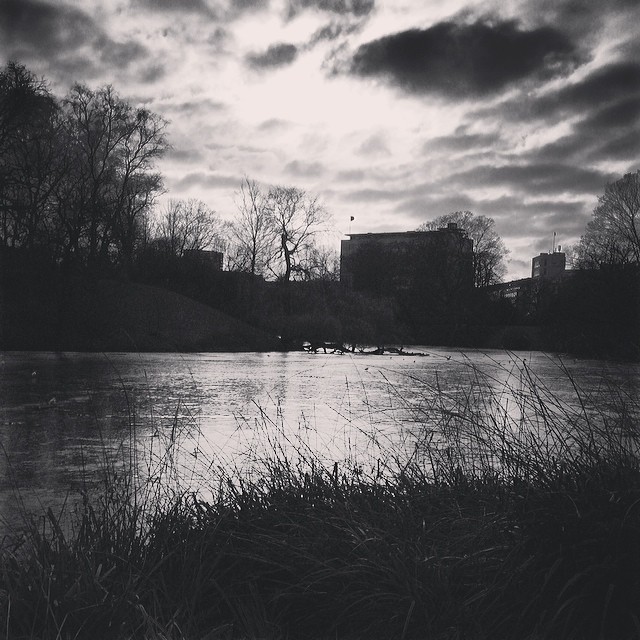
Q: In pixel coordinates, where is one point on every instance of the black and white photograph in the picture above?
(320, 319)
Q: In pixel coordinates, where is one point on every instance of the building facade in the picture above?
(548, 270)
(390, 262)
(549, 266)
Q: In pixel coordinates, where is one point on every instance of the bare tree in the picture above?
(112, 186)
(489, 251)
(251, 234)
(137, 185)
(296, 218)
(30, 153)
(189, 225)
(320, 263)
(613, 234)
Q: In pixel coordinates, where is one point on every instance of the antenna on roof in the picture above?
(553, 246)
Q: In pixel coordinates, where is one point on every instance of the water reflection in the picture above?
(59, 413)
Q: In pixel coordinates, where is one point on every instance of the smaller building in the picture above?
(549, 266)
(548, 270)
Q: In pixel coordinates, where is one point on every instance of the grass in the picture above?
(489, 519)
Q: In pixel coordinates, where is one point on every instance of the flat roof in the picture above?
(402, 233)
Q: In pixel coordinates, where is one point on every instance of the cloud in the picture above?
(41, 25)
(375, 145)
(533, 179)
(372, 195)
(334, 30)
(59, 33)
(185, 155)
(461, 142)
(153, 72)
(351, 175)
(604, 85)
(274, 124)
(193, 107)
(609, 83)
(249, 5)
(206, 180)
(582, 18)
(602, 112)
(305, 169)
(623, 113)
(357, 8)
(465, 60)
(543, 216)
(277, 55)
(624, 147)
(182, 6)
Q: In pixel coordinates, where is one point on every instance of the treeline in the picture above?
(77, 175)
(78, 183)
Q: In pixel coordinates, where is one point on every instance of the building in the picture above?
(386, 263)
(547, 271)
(549, 266)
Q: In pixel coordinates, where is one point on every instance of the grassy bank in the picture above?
(54, 313)
(490, 521)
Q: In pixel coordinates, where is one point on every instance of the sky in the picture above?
(391, 112)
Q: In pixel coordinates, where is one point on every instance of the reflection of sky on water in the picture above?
(58, 410)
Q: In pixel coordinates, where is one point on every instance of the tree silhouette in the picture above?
(612, 236)
(188, 225)
(489, 251)
(295, 219)
(251, 235)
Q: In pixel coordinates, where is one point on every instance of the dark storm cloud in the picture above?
(32, 28)
(277, 55)
(611, 83)
(461, 142)
(249, 5)
(357, 8)
(543, 216)
(534, 179)
(185, 155)
(604, 110)
(582, 18)
(465, 60)
(604, 85)
(564, 149)
(40, 25)
(621, 114)
(182, 6)
(624, 147)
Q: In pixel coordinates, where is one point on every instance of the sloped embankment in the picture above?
(108, 315)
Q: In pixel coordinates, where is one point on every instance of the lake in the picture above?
(60, 413)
